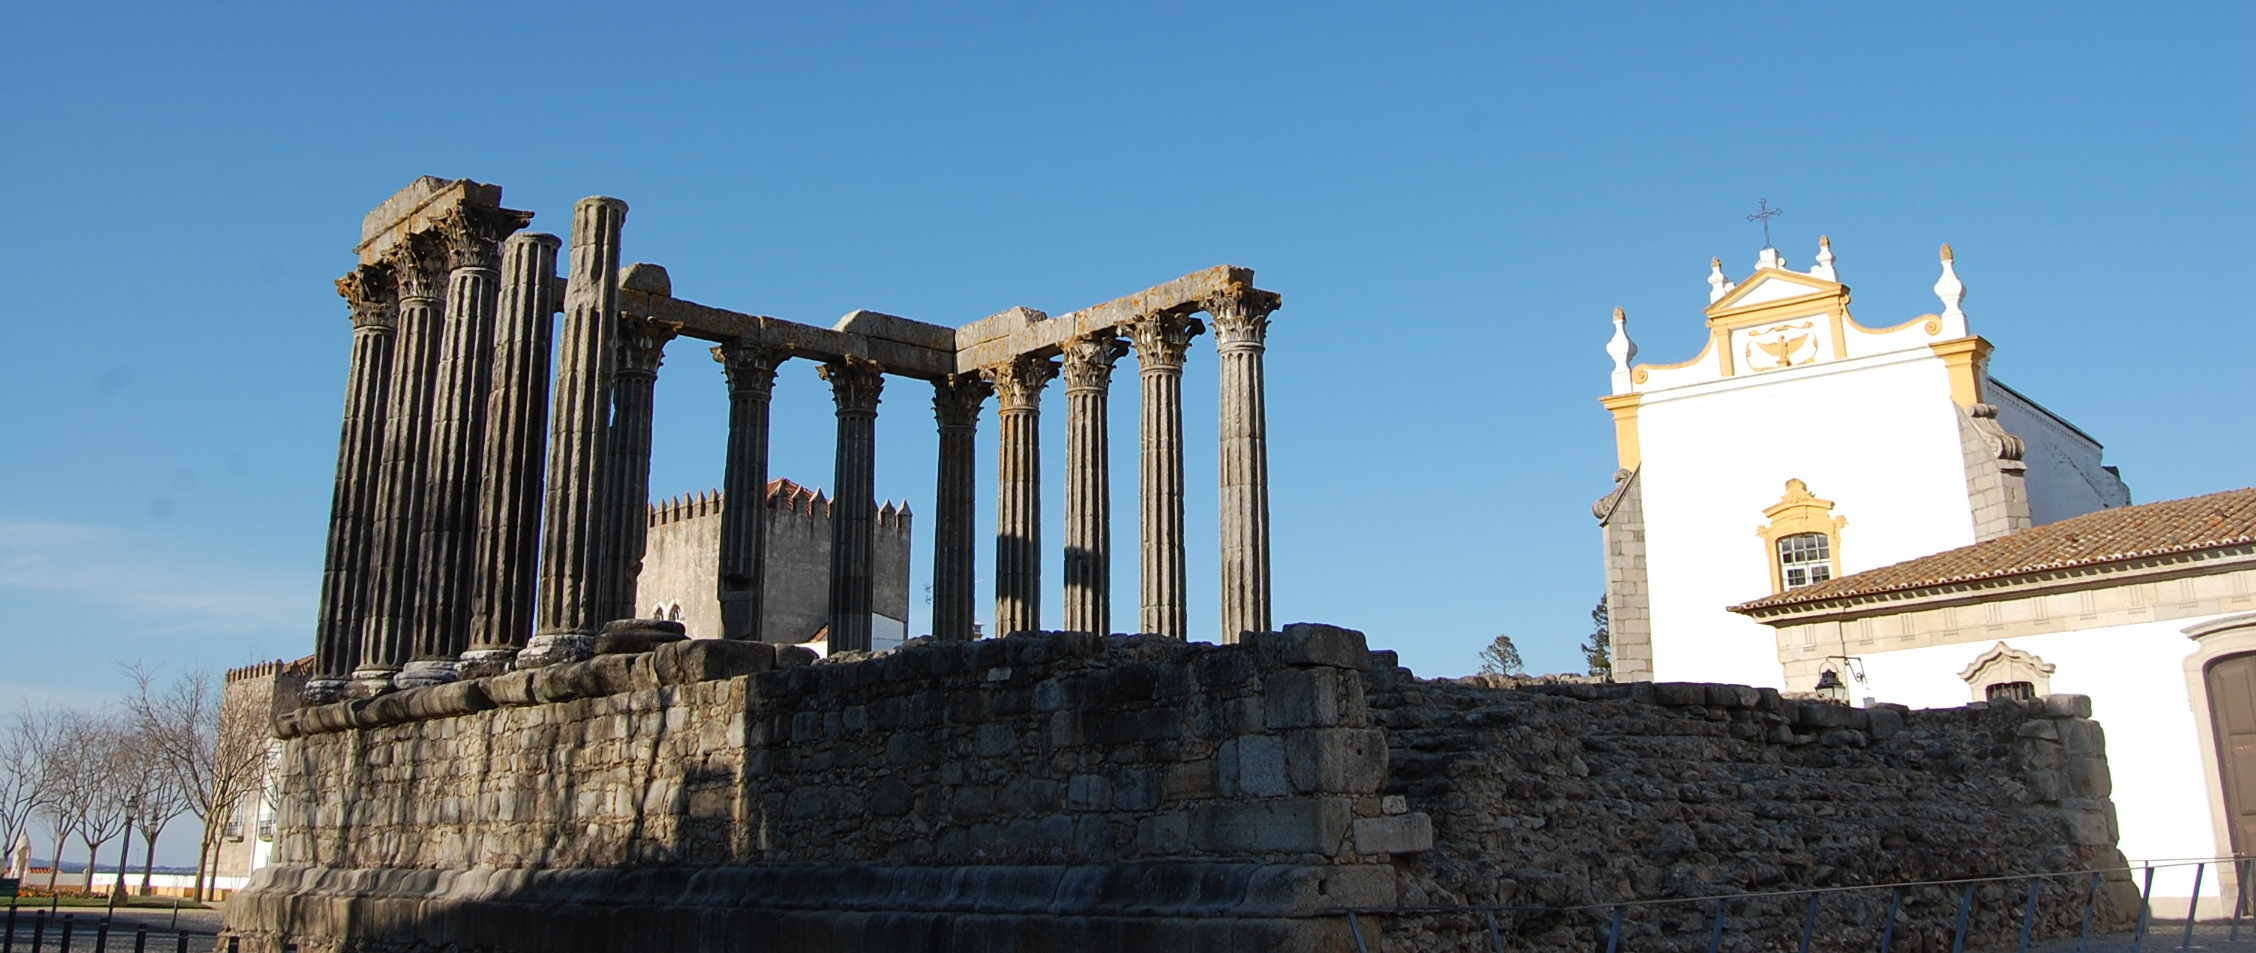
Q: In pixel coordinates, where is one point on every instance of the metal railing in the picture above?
(1616, 915)
(31, 931)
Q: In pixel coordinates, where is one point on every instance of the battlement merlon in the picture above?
(419, 208)
(918, 349)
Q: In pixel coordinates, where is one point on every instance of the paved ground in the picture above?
(2164, 936)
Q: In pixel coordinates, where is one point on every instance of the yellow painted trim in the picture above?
(1840, 314)
(1730, 302)
(1799, 511)
(1772, 312)
(1624, 408)
(1638, 373)
(1967, 361)
(1934, 324)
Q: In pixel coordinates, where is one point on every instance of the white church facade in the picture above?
(1801, 445)
(1815, 505)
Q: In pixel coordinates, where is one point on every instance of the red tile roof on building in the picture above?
(2109, 536)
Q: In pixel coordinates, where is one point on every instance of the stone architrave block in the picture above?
(1311, 643)
(704, 660)
(1297, 826)
(512, 689)
(1336, 760)
(449, 700)
(1395, 834)
(2067, 706)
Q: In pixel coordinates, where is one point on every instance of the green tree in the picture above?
(1599, 651)
(1501, 657)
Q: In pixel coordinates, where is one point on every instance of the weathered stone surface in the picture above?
(1311, 643)
(628, 636)
(1394, 834)
(703, 660)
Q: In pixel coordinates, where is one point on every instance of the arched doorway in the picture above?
(2232, 717)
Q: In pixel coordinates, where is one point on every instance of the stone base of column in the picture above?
(553, 648)
(322, 691)
(485, 663)
(739, 617)
(370, 682)
(421, 673)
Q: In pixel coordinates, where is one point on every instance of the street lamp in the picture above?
(1829, 685)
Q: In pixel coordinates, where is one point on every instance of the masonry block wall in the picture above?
(1066, 792)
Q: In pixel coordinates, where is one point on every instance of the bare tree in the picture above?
(215, 749)
(20, 777)
(158, 798)
(98, 788)
(59, 793)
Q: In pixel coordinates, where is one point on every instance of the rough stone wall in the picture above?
(1996, 478)
(1563, 794)
(1629, 610)
(681, 566)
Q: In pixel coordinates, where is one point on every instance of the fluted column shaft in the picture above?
(955, 544)
(352, 504)
(572, 524)
(751, 370)
(854, 386)
(509, 496)
(1161, 343)
(1018, 502)
(642, 347)
(1241, 325)
(387, 630)
(448, 566)
(1088, 483)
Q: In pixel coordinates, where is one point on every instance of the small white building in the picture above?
(2150, 610)
(1801, 446)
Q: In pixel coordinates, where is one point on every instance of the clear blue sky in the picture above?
(1450, 198)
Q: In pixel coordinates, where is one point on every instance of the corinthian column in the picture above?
(1161, 341)
(854, 386)
(509, 497)
(352, 505)
(1018, 504)
(642, 346)
(572, 524)
(386, 632)
(751, 372)
(955, 546)
(473, 237)
(1088, 484)
(1241, 323)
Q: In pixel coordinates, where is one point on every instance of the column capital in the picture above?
(416, 265)
(642, 343)
(1162, 339)
(372, 294)
(1089, 359)
(855, 383)
(1018, 384)
(473, 234)
(751, 368)
(1241, 316)
(956, 400)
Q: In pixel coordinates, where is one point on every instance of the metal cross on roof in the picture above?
(1764, 213)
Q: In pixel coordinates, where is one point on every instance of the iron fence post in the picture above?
(1888, 926)
(2091, 896)
(1715, 936)
(8, 945)
(1809, 922)
(102, 936)
(1495, 940)
(2240, 899)
(38, 929)
(1613, 936)
(2146, 910)
(1965, 910)
(2029, 916)
(2193, 906)
(63, 939)
(140, 939)
(1354, 926)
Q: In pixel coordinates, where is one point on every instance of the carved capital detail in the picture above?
(751, 368)
(372, 294)
(1162, 339)
(855, 383)
(1089, 360)
(956, 400)
(2002, 442)
(473, 234)
(642, 343)
(1241, 316)
(1018, 384)
(417, 266)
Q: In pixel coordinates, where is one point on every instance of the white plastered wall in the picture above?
(1878, 436)
(2136, 677)
(2065, 476)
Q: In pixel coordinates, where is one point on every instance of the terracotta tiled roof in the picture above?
(2125, 533)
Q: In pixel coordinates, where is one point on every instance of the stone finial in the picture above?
(1718, 285)
(1770, 258)
(1622, 350)
(1949, 288)
(1824, 268)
